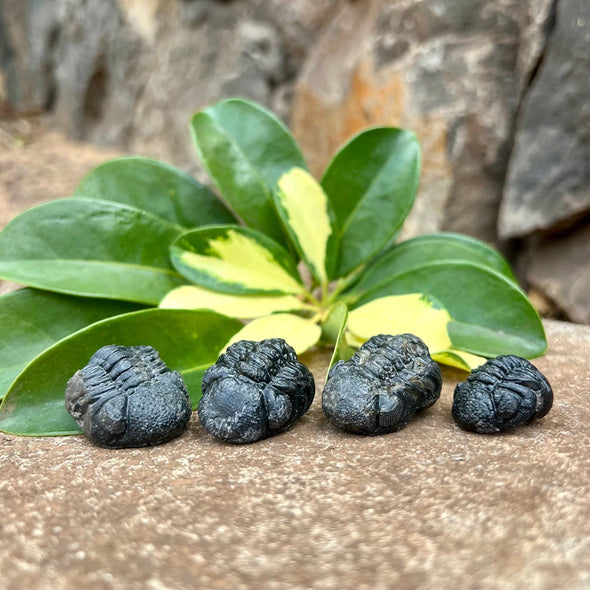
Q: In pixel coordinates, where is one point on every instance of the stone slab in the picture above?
(428, 507)
(559, 268)
(547, 180)
(453, 72)
(132, 73)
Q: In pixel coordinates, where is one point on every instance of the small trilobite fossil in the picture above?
(382, 385)
(255, 390)
(128, 397)
(504, 392)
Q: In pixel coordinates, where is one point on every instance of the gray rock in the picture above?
(131, 74)
(261, 62)
(560, 269)
(452, 71)
(29, 33)
(549, 175)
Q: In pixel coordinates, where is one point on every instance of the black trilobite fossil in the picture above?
(128, 397)
(504, 392)
(255, 390)
(382, 385)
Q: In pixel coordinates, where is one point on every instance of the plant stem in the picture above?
(344, 283)
(316, 302)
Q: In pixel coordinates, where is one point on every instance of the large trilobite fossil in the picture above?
(380, 388)
(128, 397)
(504, 392)
(255, 390)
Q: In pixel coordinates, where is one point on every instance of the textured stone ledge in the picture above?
(428, 507)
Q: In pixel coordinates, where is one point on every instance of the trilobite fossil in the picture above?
(504, 392)
(255, 390)
(383, 384)
(128, 397)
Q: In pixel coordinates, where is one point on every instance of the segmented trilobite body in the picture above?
(255, 390)
(382, 385)
(128, 397)
(504, 392)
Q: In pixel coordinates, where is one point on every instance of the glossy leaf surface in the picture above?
(426, 249)
(246, 150)
(333, 330)
(371, 184)
(490, 314)
(91, 248)
(187, 341)
(410, 314)
(156, 187)
(299, 332)
(34, 320)
(458, 359)
(402, 314)
(235, 306)
(234, 259)
(304, 211)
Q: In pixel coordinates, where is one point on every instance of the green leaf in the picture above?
(34, 320)
(91, 248)
(234, 259)
(426, 249)
(491, 314)
(371, 184)
(235, 306)
(188, 341)
(246, 150)
(156, 187)
(305, 213)
(333, 331)
(299, 332)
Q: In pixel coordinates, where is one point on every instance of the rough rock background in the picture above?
(498, 93)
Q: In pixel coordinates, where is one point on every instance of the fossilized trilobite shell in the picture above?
(504, 392)
(128, 397)
(255, 390)
(382, 385)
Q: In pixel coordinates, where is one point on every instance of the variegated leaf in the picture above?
(400, 314)
(234, 259)
(415, 314)
(235, 306)
(299, 332)
(304, 210)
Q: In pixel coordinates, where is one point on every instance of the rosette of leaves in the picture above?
(144, 254)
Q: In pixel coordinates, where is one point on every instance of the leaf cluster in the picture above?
(142, 253)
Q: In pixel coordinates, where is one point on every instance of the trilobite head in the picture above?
(255, 390)
(383, 384)
(128, 397)
(504, 392)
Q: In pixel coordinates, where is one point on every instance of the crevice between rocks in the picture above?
(515, 248)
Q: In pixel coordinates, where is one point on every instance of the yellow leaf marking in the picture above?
(306, 207)
(300, 333)
(240, 260)
(458, 359)
(401, 314)
(235, 306)
(413, 314)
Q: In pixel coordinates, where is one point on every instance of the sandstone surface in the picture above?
(430, 506)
